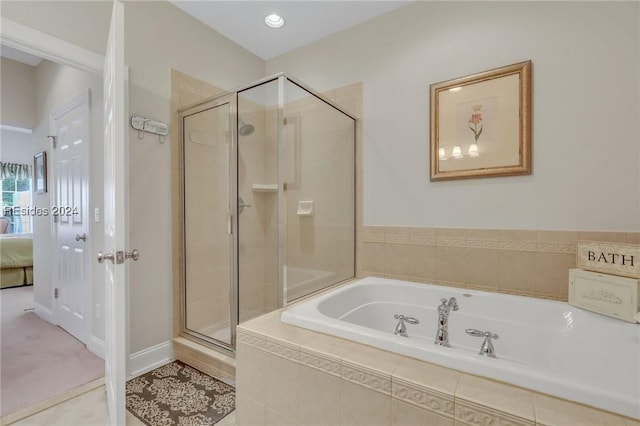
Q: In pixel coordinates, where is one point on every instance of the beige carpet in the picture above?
(38, 360)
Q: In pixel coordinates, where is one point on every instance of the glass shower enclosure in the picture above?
(268, 197)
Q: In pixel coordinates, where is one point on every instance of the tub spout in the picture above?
(446, 306)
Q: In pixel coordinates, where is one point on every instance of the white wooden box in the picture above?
(610, 295)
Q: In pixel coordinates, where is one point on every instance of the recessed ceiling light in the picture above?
(274, 21)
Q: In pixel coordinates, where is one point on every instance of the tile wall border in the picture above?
(469, 413)
(416, 236)
(423, 397)
(321, 362)
(366, 377)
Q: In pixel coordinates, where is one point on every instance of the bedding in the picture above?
(16, 260)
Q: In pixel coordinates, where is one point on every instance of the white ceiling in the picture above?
(17, 55)
(305, 20)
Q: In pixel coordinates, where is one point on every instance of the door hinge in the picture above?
(54, 139)
(55, 293)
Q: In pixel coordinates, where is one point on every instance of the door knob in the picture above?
(102, 257)
(82, 237)
(133, 254)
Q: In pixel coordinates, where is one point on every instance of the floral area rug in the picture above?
(178, 395)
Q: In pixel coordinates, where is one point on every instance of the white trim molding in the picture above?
(148, 359)
(16, 129)
(44, 313)
(96, 345)
(31, 41)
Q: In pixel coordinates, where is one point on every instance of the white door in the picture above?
(115, 133)
(70, 158)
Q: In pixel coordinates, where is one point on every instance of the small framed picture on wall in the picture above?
(481, 124)
(40, 173)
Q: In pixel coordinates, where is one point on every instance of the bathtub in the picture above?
(546, 346)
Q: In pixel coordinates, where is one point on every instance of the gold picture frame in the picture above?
(481, 124)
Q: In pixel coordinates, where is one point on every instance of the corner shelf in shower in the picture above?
(265, 187)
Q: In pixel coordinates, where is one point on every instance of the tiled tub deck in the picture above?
(292, 376)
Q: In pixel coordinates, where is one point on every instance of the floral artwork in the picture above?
(481, 124)
(475, 126)
(476, 118)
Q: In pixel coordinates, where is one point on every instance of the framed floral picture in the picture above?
(481, 124)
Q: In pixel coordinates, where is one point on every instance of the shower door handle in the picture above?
(242, 205)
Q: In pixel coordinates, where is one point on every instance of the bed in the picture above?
(16, 260)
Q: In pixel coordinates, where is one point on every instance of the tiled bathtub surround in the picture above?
(289, 375)
(529, 263)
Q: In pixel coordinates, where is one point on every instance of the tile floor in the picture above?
(89, 409)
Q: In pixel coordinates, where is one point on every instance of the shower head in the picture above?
(245, 129)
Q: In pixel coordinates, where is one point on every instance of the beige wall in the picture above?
(16, 147)
(83, 23)
(584, 93)
(18, 94)
(56, 85)
(160, 37)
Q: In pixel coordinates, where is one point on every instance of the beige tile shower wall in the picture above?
(530, 263)
(271, 295)
(253, 221)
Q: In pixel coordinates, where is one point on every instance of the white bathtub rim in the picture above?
(541, 381)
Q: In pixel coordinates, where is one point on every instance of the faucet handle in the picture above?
(408, 320)
(477, 333)
(451, 303)
(487, 348)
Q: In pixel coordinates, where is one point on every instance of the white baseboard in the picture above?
(148, 359)
(96, 345)
(44, 313)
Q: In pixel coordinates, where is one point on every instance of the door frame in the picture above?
(37, 43)
(82, 98)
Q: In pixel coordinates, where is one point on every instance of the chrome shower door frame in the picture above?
(207, 104)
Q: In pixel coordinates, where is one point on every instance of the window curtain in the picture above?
(15, 170)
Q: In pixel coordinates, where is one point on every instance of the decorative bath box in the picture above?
(610, 295)
(611, 258)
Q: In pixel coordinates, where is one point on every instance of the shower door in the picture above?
(209, 295)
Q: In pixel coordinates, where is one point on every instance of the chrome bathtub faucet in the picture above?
(487, 348)
(442, 336)
(401, 328)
